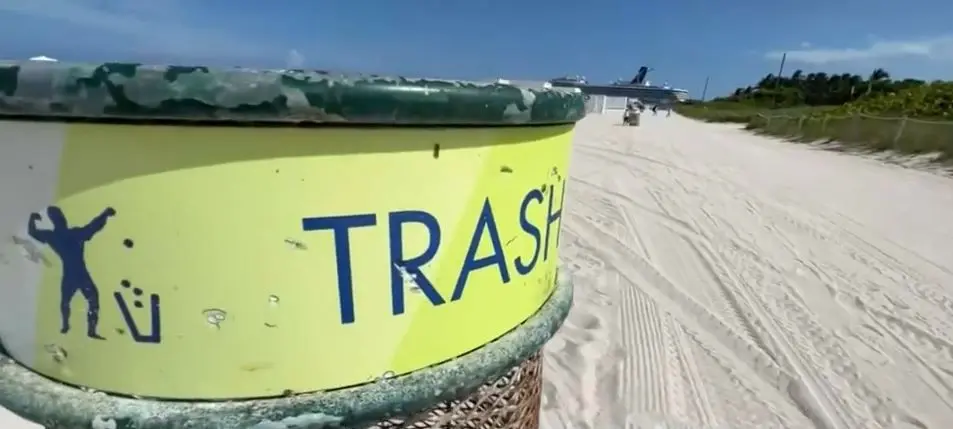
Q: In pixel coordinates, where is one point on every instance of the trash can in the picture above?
(188, 247)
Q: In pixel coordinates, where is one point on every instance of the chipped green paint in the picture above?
(57, 406)
(136, 92)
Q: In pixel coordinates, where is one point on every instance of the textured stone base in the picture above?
(512, 402)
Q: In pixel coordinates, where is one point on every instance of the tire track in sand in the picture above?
(769, 388)
(641, 329)
(609, 250)
(690, 230)
(859, 328)
(643, 334)
(814, 390)
(681, 379)
(813, 396)
(745, 344)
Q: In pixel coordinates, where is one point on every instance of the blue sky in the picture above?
(735, 42)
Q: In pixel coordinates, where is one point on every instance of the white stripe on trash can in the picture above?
(29, 174)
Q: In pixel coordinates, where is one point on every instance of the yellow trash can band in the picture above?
(187, 234)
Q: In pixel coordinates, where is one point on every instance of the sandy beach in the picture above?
(727, 280)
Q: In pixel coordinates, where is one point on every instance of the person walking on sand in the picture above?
(69, 244)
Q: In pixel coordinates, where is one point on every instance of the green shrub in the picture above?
(907, 116)
(864, 132)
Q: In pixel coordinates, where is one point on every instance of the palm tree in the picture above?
(877, 75)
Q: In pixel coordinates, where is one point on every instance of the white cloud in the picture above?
(805, 44)
(934, 48)
(294, 60)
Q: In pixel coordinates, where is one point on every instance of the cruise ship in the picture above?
(637, 87)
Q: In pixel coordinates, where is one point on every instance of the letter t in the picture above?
(340, 226)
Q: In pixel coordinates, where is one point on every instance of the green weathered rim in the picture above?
(56, 405)
(137, 92)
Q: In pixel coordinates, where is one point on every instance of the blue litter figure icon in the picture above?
(69, 244)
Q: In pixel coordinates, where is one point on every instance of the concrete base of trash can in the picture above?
(512, 401)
